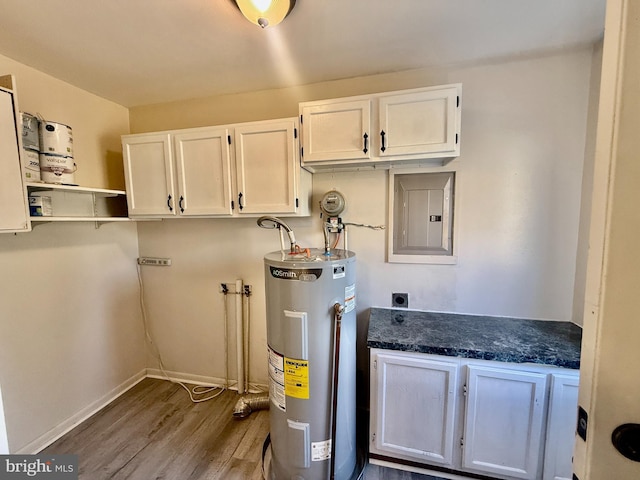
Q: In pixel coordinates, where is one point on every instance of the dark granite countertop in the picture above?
(478, 337)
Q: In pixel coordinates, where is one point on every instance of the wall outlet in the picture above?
(400, 300)
(158, 262)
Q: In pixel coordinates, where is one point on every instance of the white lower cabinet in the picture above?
(476, 417)
(561, 427)
(504, 421)
(426, 392)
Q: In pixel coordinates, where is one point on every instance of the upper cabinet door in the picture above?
(336, 131)
(204, 172)
(13, 208)
(148, 174)
(267, 167)
(425, 122)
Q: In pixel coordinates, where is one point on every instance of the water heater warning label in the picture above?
(349, 298)
(276, 380)
(320, 451)
(296, 378)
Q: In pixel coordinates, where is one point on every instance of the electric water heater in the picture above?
(311, 336)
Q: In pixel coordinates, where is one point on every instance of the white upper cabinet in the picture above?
(267, 167)
(204, 171)
(14, 215)
(340, 130)
(231, 170)
(420, 123)
(149, 174)
(415, 126)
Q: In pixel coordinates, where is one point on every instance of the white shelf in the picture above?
(41, 186)
(44, 219)
(72, 203)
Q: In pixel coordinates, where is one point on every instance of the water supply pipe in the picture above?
(239, 337)
(338, 310)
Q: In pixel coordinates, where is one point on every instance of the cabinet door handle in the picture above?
(240, 206)
(169, 203)
(382, 136)
(180, 204)
(366, 143)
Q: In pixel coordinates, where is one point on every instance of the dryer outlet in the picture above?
(400, 300)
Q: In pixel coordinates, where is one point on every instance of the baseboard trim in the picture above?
(58, 431)
(414, 467)
(172, 376)
(202, 380)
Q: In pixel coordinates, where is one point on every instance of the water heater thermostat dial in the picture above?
(332, 203)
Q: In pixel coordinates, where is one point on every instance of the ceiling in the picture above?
(138, 52)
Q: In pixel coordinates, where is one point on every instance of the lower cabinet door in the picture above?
(413, 413)
(504, 422)
(561, 427)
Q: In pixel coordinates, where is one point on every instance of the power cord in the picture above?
(197, 390)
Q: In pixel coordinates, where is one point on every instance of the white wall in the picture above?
(70, 326)
(520, 175)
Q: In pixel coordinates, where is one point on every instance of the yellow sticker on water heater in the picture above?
(296, 378)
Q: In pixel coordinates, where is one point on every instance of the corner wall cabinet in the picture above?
(14, 209)
(415, 126)
(477, 417)
(233, 170)
(65, 203)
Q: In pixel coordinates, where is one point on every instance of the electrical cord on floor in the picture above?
(197, 390)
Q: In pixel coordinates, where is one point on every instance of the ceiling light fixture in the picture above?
(265, 13)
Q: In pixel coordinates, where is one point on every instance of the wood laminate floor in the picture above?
(155, 432)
